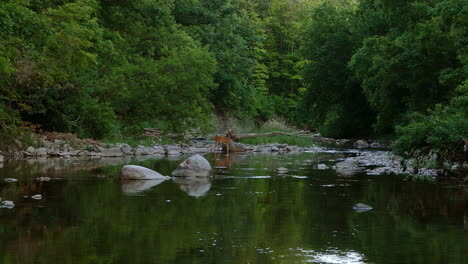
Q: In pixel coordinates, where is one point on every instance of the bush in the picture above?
(443, 131)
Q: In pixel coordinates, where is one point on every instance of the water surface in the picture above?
(245, 213)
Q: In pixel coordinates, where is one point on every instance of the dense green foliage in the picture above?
(347, 68)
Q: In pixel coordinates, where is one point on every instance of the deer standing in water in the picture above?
(222, 140)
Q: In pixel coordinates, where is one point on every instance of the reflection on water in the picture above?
(134, 187)
(245, 213)
(333, 256)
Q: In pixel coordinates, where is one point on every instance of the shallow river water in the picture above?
(245, 213)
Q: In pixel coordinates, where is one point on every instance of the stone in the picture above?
(41, 152)
(195, 166)
(111, 152)
(7, 204)
(361, 144)
(376, 145)
(134, 187)
(126, 149)
(347, 167)
(134, 172)
(2, 159)
(37, 197)
(43, 178)
(10, 180)
(142, 150)
(360, 208)
(31, 150)
(236, 147)
(322, 167)
(159, 150)
(173, 150)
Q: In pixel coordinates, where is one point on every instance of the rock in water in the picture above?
(10, 180)
(7, 204)
(1, 158)
(359, 207)
(134, 172)
(37, 197)
(361, 144)
(235, 147)
(346, 168)
(195, 166)
(322, 167)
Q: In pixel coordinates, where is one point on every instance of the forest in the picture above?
(347, 68)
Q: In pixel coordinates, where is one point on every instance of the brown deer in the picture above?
(222, 140)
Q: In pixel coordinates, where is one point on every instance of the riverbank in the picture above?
(358, 156)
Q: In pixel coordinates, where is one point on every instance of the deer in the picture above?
(222, 140)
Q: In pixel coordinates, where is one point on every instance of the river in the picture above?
(246, 213)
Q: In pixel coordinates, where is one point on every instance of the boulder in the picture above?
(322, 167)
(41, 152)
(142, 150)
(235, 147)
(126, 149)
(173, 150)
(195, 166)
(111, 152)
(361, 144)
(134, 172)
(159, 150)
(347, 167)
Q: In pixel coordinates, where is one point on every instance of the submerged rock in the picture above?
(347, 167)
(195, 166)
(360, 207)
(134, 172)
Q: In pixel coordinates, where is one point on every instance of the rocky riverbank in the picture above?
(361, 158)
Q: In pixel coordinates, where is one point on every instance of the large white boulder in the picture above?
(195, 166)
(134, 172)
